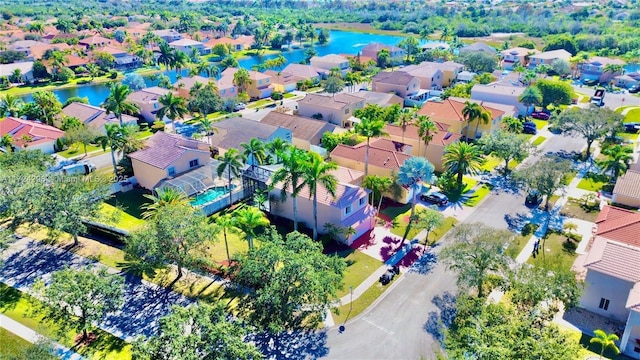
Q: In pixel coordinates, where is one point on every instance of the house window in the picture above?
(155, 105)
(193, 163)
(232, 90)
(171, 171)
(348, 210)
(346, 111)
(362, 201)
(604, 304)
(223, 91)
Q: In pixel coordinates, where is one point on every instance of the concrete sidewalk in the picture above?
(33, 337)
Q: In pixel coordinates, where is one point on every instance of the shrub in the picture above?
(447, 182)
(277, 96)
(529, 229)
(113, 74)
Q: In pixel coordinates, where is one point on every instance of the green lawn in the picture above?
(288, 95)
(359, 267)
(593, 182)
(130, 202)
(393, 211)
(216, 251)
(259, 103)
(516, 246)
(113, 216)
(490, 163)
(629, 137)
(575, 208)
(143, 134)
(538, 140)
(360, 304)
(568, 178)
(402, 221)
(556, 252)
(20, 307)
(478, 195)
(77, 149)
(632, 115)
(11, 345)
(540, 124)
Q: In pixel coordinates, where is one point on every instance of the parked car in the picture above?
(590, 82)
(435, 197)
(239, 106)
(529, 127)
(389, 275)
(540, 115)
(79, 169)
(634, 89)
(533, 198)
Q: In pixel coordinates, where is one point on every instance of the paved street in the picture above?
(611, 100)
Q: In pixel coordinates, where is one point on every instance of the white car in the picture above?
(240, 106)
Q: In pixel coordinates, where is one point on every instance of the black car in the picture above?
(389, 275)
(529, 127)
(435, 197)
(533, 198)
(634, 89)
(590, 82)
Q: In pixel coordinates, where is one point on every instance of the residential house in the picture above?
(517, 55)
(477, 47)
(37, 52)
(122, 59)
(226, 87)
(625, 81)
(379, 98)
(385, 158)
(307, 133)
(548, 57)
(187, 46)
(50, 38)
(306, 72)
(26, 69)
(24, 46)
(373, 49)
(283, 82)
(232, 132)
(449, 112)
(337, 109)
(430, 46)
(466, 76)
(238, 44)
(148, 101)
(612, 282)
(429, 74)
(627, 189)
(593, 69)
(184, 85)
(166, 156)
(95, 117)
(259, 86)
(500, 94)
(168, 35)
(349, 208)
(30, 135)
(398, 82)
(96, 41)
(331, 61)
(434, 151)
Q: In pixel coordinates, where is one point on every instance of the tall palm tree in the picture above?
(180, 61)
(113, 139)
(530, 96)
(446, 33)
(378, 185)
(254, 152)
(117, 102)
(406, 118)
(173, 107)
(248, 219)
(369, 128)
(291, 175)
(166, 196)
(277, 147)
(613, 68)
(231, 163)
(241, 79)
(413, 173)
(471, 112)
(10, 105)
(228, 225)
(167, 55)
(605, 341)
(36, 27)
(48, 104)
(426, 129)
(206, 124)
(618, 159)
(462, 158)
(319, 172)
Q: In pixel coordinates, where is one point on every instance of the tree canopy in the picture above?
(506, 146)
(591, 123)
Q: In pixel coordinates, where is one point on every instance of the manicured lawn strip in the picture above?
(288, 95)
(259, 103)
(360, 304)
(11, 344)
(111, 215)
(393, 211)
(143, 134)
(557, 251)
(516, 246)
(359, 267)
(435, 235)
(574, 208)
(216, 251)
(568, 178)
(540, 124)
(19, 307)
(539, 140)
(77, 149)
(130, 201)
(629, 137)
(632, 116)
(478, 195)
(438, 232)
(593, 182)
(490, 163)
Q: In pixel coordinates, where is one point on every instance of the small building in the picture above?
(337, 109)
(30, 135)
(306, 72)
(24, 46)
(331, 61)
(429, 74)
(258, 87)
(625, 81)
(627, 189)
(373, 49)
(548, 57)
(594, 69)
(307, 133)
(517, 55)
(166, 156)
(466, 76)
(397, 82)
(168, 35)
(283, 82)
(187, 46)
(95, 117)
(500, 94)
(148, 101)
(38, 51)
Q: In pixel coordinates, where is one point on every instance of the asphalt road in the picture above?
(399, 326)
(612, 101)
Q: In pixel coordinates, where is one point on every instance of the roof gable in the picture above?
(162, 149)
(619, 224)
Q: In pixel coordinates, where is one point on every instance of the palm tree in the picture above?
(277, 147)
(369, 128)
(254, 152)
(117, 102)
(37, 27)
(612, 68)
(173, 107)
(318, 172)
(618, 159)
(6, 142)
(446, 34)
(248, 219)
(406, 118)
(378, 185)
(426, 129)
(530, 96)
(167, 55)
(231, 162)
(291, 175)
(166, 196)
(471, 112)
(48, 103)
(413, 173)
(462, 158)
(180, 61)
(241, 79)
(605, 341)
(113, 139)
(10, 105)
(227, 224)
(207, 125)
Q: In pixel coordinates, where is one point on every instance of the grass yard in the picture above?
(130, 201)
(538, 140)
(632, 116)
(575, 208)
(143, 134)
(568, 178)
(19, 307)
(393, 211)
(478, 195)
(117, 217)
(359, 267)
(490, 163)
(402, 221)
(288, 95)
(593, 182)
(629, 137)
(217, 252)
(77, 149)
(540, 124)
(556, 252)
(360, 304)
(516, 246)
(259, 103)
(11, 345)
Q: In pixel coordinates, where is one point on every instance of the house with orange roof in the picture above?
(38, 51)
(349, 208)
(372, 50)
(240, 43)
(612, 281)
(337, 109)
(185, 84)
(96, 41)
(259, 86)
(398, 82)
(148, 101)
(50, 38)
(449, 113)
(30, 135)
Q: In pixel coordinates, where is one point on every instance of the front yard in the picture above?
(575, 208)
(557, 251)
(593, 182)
(401, 222)
(359, 267)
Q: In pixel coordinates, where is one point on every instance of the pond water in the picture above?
(630, 68)
(340, 42)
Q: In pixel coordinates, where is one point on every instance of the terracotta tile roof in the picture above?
(234, 131)
(346, 194)
(380, 154)
(349, 176)
(619, 224)
(162, 149)
(39, 133)
(147, 95)
(393, 78)
(441, 137)
(628, 185)
(38, 51)
(451, 109)
(95, 40)
(301, 127)
(189, 82)
(304, 71)
(614, 258)
(337, 101)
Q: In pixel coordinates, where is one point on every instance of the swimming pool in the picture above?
(209, 196)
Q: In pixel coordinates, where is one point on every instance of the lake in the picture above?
(340, 42)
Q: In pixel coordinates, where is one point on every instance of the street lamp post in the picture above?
(341, 328)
